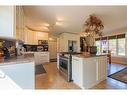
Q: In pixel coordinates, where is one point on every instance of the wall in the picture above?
(119, 59)
(7, 21)
(63, 41)
(22, 74)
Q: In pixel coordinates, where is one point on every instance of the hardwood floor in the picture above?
(53, 80)
(110, 83)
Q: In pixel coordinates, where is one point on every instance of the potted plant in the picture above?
(92, 28)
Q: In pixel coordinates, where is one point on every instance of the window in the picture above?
(104, 44)
(98, 44)
(116, 44)
(112, 46)
(121, 46)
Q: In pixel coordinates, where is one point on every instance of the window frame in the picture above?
(117, 47)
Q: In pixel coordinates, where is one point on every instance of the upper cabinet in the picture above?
(20, 23)
(32, 37)
(12, 22)
(7, 21)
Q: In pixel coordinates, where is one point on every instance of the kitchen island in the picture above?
(17, 73)
(88, 70)
(17, 60)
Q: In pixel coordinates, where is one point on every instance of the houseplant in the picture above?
(92, 28)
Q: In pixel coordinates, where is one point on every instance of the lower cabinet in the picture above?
(77, 71)
(101, 68)
(87, 72)
(41, 57)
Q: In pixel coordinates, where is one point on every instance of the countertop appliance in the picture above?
(65, 64)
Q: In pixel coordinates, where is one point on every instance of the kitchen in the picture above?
(63, 58)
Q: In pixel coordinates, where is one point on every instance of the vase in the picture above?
(90, 41)
(93, 50)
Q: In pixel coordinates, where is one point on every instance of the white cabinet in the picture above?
(41, 57)
(77, 71)
(87, 72)
(101, 68)
(7, 21)
(20, 23)
(32, 37)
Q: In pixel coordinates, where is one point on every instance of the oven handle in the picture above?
(64, 58)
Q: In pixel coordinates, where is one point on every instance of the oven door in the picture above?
(63, 64)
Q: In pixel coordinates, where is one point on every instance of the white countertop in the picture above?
(88, 56)
(6, 82)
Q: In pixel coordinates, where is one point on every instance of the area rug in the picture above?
(120, 75)
(39, 69)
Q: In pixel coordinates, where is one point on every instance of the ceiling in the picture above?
(71, 18)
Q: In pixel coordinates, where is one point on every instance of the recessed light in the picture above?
(44, 27)
(60, 19)
(58, 23)
(51, 39)
(46, 24)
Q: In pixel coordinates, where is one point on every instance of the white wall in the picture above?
(22, 74)
(7, 21)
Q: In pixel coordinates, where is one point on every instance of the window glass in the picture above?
(116, 44)
(104, 44)
(112, 46)
(98, 44)
(121, 46)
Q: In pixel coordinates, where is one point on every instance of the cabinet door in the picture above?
(20, 23)
(89, 72)
(30, 37)
(77, 71)
(41, 58)
(7, 21)
(102, 68)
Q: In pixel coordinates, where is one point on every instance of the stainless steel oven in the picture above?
(65, 65)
